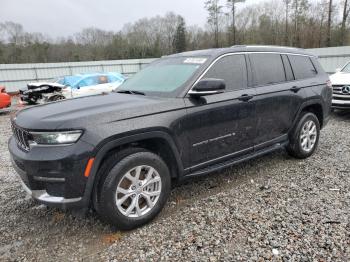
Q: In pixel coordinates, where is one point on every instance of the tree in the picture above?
(286, 36)
(300, 11)
(346, 9)
(232, 6)
(215, 11)
(300, 23)
(180, 36)
(13, 32)
(329, 23)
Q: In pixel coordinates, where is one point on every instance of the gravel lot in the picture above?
(272, 208)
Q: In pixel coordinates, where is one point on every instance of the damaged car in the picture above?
(71, 87)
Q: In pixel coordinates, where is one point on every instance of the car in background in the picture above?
(341, 88)
(71, 87)
(5, 99)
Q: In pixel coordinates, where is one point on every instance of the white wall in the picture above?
(16, 76)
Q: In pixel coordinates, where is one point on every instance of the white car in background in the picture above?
(71, 87)
(93, 84)
(341, 88)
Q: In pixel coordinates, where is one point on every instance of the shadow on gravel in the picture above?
(341, 115)
(204, 186)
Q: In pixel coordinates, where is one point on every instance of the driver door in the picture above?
(222, 126)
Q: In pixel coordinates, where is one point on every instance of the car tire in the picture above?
(56, 98)
(304, 137)
(142, 201)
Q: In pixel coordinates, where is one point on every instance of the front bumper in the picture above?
(42, 195)
(53, 176)
(340, 104)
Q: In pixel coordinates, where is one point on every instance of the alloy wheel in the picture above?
(308, 136)
(138, 191)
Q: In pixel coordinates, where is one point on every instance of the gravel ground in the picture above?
(271, 208)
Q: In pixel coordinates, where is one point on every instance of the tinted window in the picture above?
(268, 69)
(302, 66)
(232, 69)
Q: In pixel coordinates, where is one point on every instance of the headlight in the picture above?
(56, 138)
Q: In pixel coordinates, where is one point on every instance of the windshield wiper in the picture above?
(131, 92)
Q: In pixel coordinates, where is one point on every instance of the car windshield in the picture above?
(164, 76)
(346, 68)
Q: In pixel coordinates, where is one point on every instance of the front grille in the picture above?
(338, 90)
(22, 137)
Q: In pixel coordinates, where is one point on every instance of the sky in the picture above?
(66, 17)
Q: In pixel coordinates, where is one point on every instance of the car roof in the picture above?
(243, 48)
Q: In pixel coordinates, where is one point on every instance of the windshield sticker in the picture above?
(195, 60)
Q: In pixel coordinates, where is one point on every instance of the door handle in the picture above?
(295, 89)
(245, 97)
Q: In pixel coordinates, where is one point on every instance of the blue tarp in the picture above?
(83, 80)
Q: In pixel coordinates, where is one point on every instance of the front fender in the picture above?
(104, 147)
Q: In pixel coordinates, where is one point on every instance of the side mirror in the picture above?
(209, 86)
(337, 70)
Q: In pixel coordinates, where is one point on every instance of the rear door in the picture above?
(222, 126)
(278, 97)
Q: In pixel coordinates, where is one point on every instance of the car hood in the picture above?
(340, 78)
(92, 110)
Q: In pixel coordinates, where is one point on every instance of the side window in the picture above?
(232, 69)
(89, 81)
(103, 79)
(302, 66)
(268, 69)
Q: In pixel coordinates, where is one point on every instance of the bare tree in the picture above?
(299, 23)
(215, 12)
(232, 6)
(346, 9)
(286, 33)
(329, 22)
(13, 32)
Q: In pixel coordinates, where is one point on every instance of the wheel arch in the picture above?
(314, 106)
(149, 140)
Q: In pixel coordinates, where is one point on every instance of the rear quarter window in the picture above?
(268, 69)
(302, 67)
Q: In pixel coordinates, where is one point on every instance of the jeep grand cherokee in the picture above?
(184, 115)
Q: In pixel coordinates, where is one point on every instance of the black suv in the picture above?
(184, 115)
